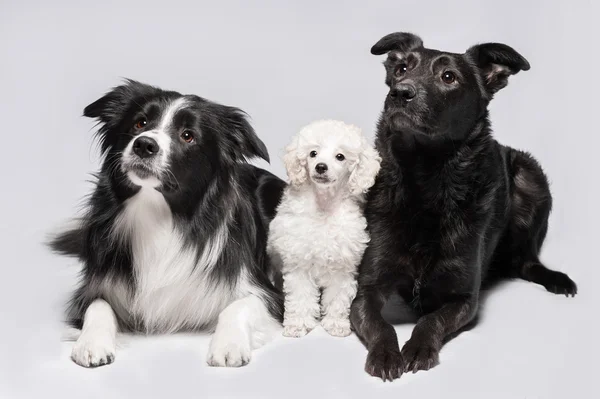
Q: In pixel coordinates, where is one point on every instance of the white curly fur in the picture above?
(319, 233)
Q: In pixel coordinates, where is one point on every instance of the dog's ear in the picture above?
(110, 108)
(243, 135)
(366, 169)
(399, 41)
(295, 163)
(496, 63)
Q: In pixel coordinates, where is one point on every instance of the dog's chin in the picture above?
(402, 122)
(142, 175)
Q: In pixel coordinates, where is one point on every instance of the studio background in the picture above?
(287, 64)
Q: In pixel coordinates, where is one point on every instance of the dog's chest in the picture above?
(172, 291)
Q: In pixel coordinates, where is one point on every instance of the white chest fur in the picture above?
(172, 289)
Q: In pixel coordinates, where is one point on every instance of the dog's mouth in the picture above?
(320, 179)
(140, 168)
(400, 120)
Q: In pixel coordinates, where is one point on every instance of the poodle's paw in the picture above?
(224, 352)
(94, 349)
(338, 327)
(298, 327)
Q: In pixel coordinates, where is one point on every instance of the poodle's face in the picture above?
(329, 163)
(332, 154)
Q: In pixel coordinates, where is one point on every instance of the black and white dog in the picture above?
(174, 234)
(451, 209)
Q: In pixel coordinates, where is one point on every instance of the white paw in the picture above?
(295, 331)
(228, 353)
(336, 327)
(93, 350)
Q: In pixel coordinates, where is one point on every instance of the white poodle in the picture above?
(319, 233)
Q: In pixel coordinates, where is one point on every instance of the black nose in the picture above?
(321, 168)
(145, 147)
(404, 91)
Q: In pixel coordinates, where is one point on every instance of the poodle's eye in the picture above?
(340, 157)
(313, 154)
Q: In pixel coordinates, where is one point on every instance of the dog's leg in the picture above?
(301, 304)
(243, 325)
(336, 300)
(96, 345)
(421, 351)
(384, 359)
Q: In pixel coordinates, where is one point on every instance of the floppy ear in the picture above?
(295, 163)
(110, 108)
(399, 41)
(364, 173)
(496, 62)
(243, 135)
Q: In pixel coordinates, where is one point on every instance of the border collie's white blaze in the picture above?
(174, 238)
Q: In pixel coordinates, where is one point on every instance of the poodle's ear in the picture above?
(365, 171)
(295, 163)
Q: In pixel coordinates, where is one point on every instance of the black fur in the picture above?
(451, 209)
(205, 181)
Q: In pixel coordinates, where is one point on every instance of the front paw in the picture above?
(560, 283)
(298, 327)
(228, 353)
(386, 364)
(93, 350)
(336, 327)
(419, 355)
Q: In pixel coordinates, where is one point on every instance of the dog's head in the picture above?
(334, 154)
(441, 94)
(165, 139)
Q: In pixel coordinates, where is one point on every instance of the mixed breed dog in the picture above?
(181, 233)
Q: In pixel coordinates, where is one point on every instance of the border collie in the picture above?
(451, 209)
(174, 235)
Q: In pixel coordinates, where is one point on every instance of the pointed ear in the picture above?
(399, 41)
(244, 137)
(496, 62)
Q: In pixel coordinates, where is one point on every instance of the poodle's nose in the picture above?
(321, 168)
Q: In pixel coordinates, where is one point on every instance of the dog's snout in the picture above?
(145, 147)
(404, 91)
(321, 168)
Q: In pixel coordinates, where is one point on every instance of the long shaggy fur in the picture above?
(170, 240)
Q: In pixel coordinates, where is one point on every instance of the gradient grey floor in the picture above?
(288, 64)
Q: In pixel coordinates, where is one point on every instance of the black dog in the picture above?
(174, 235)
(451, 208)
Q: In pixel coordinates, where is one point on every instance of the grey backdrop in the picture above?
(287, 64)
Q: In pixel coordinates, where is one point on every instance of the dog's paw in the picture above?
(93, 350)
(560, 283)
(419, 355)
(386, 364)
(228, 353)
(336, 327)
(295, 331)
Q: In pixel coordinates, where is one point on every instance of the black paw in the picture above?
(419, 355)
(560, 283)
(386, 364)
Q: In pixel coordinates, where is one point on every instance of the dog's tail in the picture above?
(70, 240)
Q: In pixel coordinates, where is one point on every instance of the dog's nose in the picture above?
(405, 91)
(145, 147)
(321, 168)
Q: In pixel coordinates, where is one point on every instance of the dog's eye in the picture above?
(448, 77)
(340, 157)
(187, 136)
(401, 70)
(141, 123)
(313, 154)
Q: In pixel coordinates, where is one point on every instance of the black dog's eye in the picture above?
(401, 70)
(448, 77)
(313, 154)
(187, 136)
(340, 157)
(141, 123)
